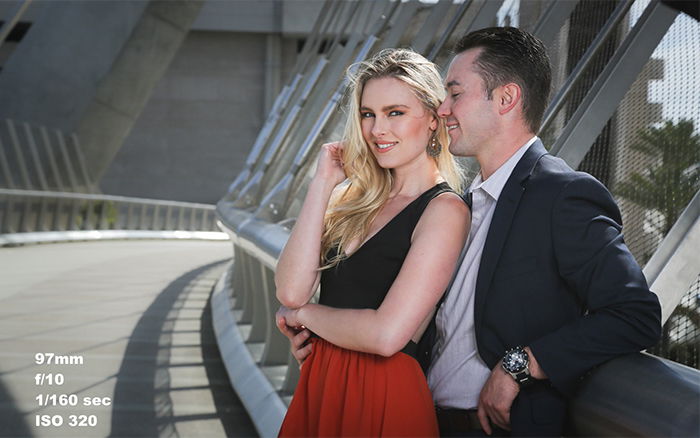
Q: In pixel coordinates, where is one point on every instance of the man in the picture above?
(547, 288)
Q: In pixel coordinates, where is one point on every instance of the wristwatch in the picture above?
(516, 363)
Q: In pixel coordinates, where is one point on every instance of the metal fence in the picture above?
(38, 158)
(28, 211)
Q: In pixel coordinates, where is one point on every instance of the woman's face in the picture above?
(395, 124)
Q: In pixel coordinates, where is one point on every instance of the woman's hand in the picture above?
(290, 317)
(330, 163)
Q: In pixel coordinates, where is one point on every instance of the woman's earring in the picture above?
(434, 147)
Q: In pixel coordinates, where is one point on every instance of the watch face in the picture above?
(515, 361)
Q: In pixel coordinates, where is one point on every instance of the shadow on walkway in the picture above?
(11, 419)
(143, 394)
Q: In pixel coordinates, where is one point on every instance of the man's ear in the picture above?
(507, 96)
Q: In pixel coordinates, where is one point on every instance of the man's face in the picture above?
(471, 117)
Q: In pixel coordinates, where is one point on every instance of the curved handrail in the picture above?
(32, 211)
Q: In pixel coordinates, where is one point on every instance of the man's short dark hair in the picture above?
(509, 54)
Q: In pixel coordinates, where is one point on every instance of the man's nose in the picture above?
(444, 109)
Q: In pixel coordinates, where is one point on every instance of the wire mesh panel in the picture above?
(681, 334)
(648, 154)
(574, 41)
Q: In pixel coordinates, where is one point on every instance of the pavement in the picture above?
(112, 339)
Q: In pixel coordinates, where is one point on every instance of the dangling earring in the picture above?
(434, 147)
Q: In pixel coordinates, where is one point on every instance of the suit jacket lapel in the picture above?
(500, 225)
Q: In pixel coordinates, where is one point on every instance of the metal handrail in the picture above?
(115, 198)
(27, 211)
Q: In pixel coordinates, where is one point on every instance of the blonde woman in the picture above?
(383, 246)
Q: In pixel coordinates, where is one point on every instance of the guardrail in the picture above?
(25, 214)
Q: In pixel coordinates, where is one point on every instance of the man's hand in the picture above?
(297, 338)
(496, 398)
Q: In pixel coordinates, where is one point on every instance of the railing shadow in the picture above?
(142, 405)
(11, 418)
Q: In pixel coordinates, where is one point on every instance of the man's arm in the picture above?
(621, 315)
(499, 392)
(300, 348)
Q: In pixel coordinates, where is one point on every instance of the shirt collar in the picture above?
(495, 183)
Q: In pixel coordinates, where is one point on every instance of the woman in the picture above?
(383, 247)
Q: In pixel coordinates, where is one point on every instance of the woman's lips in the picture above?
(385, 146)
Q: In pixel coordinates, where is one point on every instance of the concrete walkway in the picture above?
(122, 324)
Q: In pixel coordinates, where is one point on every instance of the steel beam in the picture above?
(606, 93)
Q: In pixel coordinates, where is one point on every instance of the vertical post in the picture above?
(52, 159)
(34, 153)
(180, 217)
(168, 214)
(88, 224)
(24, 222)
(26, 182)
(42, 215)
(101, 223)
(80, 158)
(156, 212)
(57, 223)
(73, 218)
(130, 216)
(5, 167)
(67, 161)
(8, 221)
(142, 217)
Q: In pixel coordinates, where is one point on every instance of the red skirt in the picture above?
(348, 393)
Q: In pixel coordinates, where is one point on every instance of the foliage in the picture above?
(673, 177)
(97, 215)
(667, 185)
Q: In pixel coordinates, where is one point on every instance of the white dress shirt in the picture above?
(457, 373)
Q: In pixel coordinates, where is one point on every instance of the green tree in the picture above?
(671, 180)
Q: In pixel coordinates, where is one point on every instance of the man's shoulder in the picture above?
(556, 170)
(552, 178)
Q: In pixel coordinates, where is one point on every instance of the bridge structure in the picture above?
(148, 295)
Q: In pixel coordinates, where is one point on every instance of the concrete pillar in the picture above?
(123, 92)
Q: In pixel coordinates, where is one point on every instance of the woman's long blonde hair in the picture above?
(350, 214)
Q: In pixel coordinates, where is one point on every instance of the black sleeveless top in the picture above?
(362, 280)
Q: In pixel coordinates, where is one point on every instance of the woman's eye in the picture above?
(455, 95)
(366, 115)
(396, 113)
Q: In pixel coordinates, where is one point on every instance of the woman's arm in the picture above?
(425, 274)
(296, 275)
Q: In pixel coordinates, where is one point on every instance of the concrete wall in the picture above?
(291, 18)
(54, 71)
(192, 138)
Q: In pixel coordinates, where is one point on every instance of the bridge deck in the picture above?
(128, 323)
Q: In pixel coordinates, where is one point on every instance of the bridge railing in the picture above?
(27, 213)
(601, 87)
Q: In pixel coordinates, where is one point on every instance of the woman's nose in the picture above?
(379, 127)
